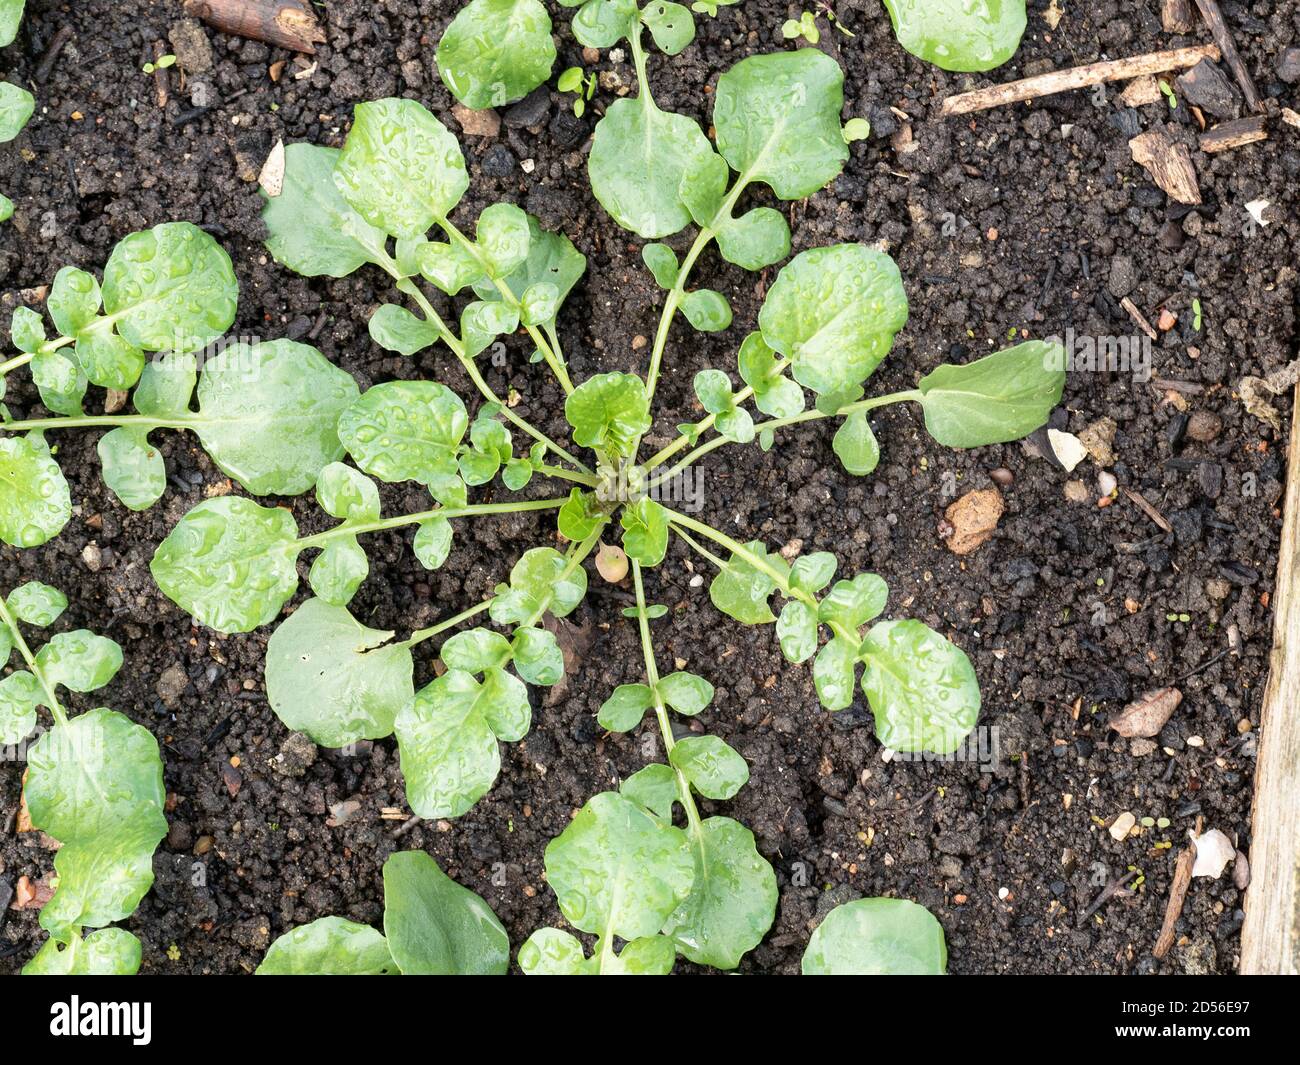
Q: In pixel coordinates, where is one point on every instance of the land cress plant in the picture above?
(94, 783)
(649, 883)
(16, 103)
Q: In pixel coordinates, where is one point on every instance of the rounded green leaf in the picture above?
(230, 563)
(170, 288)
(706, 310)
(432, 543)
(552, 952)
(448, 751)
(16, 107)
(36, 604)
(107, 359)
(96, 786)
(312, 229)
(80, 661)
(60, 381)
(337, 572)
(167, 385)
(394, 328)
(496, 51)
(877, 937)
(536, 586)
(957, 35)
(625, 707)
(20, 695)
(742, 592)
(921, 687)
(647, 956)
(26, 329)
(756, 239)
(655, 788)
(834, 312)
(476, 650)
(733, 901)
(639, 156)
(996, 399)
(687, 693)
(344, 493)
(661, 261)
(552, 259)
(645, 531)
(437, 927)
(449, 266)
(714, 769)
(579, 516)
(853, 603)
(856, 445)
(335, 679)
(608, 411)
(537, 655)
(330, 946)
(618, 871)
(11, 15)
(268, 414)
(671, 25)
(405, 431)
(34, 500)
(774, 393)
(400, 168)
(106, 952)
(132, 467)
(603, 23)
(834, 670)
(503, 236)
(796, 629)
(777, 118)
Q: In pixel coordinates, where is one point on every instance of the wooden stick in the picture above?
(1177, 895)
(1176, 16)
(160, 79)
(1291, 118)
(1234, 134)
(1078, 78)
(1270, 938)
(285, 23)
(1139, 319)
(1223, 38)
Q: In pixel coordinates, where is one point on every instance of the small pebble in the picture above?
(1106, 482)
(1076, 491)
(1204, 426)
(1122, 826)
(1002, 476)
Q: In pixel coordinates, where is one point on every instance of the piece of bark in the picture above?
(1139, 319)
(972, 520)
(1176, 16)
(1168, 163)
(1223, 38)
(1148, 715)
(1208, 87)
(1177, 896)
(1078, 78)
(1234, 134)
(284, 23)
(1140, 501)
(160, 78)
(1141, 91)
(1291, 118)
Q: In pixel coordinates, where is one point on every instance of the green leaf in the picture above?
(20, 695)
(639, 156)
(482, 322)
(330, 946)
(496, 51)
(16, 107)
(11, 14)
(834, 312)
(706, 310)
(618, 871)
(79, 660)
(405, 431)
(437, 927)
(400, 168)
(107, 359)
(733, 900)
(796, 629)
(539, 303)
(268, 414)
(169, 288)
(96, 786)
(552, 259)
(834, 670)
(579, 516)
(956, 35)
(645, 531)
(777, 118)
(230, 563)
(703, 190)
(552, 952)
(344, 493)
(602, 23)
(877, 937)
(608, 411)
(476, 650)
(449, 266)
(338, 571)
(537, 656)
(625, 707)
(166, 386)
(432, 543)
(774, 393)
(853, 603)
(714, 769)
(996, 399)
(503, 234)
(742, 592)
(26, 329)
(536, 586)
(106, 952)
(687, 693)
(517, 474)
(312, 229)
(661, 261)
(655, 788)
(447, 739)
(671, 25)
(756, 239)
(35, 503)
(713, 389)
(811, 573)
(856, 445)
(647, 956)
(394, 328)
(6, 208)
(60, 381)
(922, 688)
(36, 604)
(335, 679)
(132, 467)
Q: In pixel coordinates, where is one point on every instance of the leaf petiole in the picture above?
(468, 511)
(8, 620)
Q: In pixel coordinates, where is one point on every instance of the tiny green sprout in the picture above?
(856, 129)
(1162, 822)
(583, 88)
(805, 26)
(1196, 314)
(829, 12)
(161, 63)
(1169, 95)
(1011, 333)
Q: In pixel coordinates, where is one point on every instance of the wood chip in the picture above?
(1228, 135)
(1139, 500)
(1177, 894)
(1176, 16)
(271, 177)
(1168, 163)
(1141, 91)
(1139, 319)
(284, 23)
(1148, 715)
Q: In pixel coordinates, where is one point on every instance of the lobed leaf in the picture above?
(536, 586)
(106, 952)
(496, 51)
(742, 592)
(608, 411)
(405, 431)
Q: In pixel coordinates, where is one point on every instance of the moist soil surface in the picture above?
(1024, 221)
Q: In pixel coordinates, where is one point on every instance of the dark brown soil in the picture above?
(1054, 223)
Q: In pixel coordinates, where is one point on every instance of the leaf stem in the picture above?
(16, 362)
(411, 289)
(576, 553)
(92, 421)
(7, 618)
(661, 711)
(468, 511)
(420, 635)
